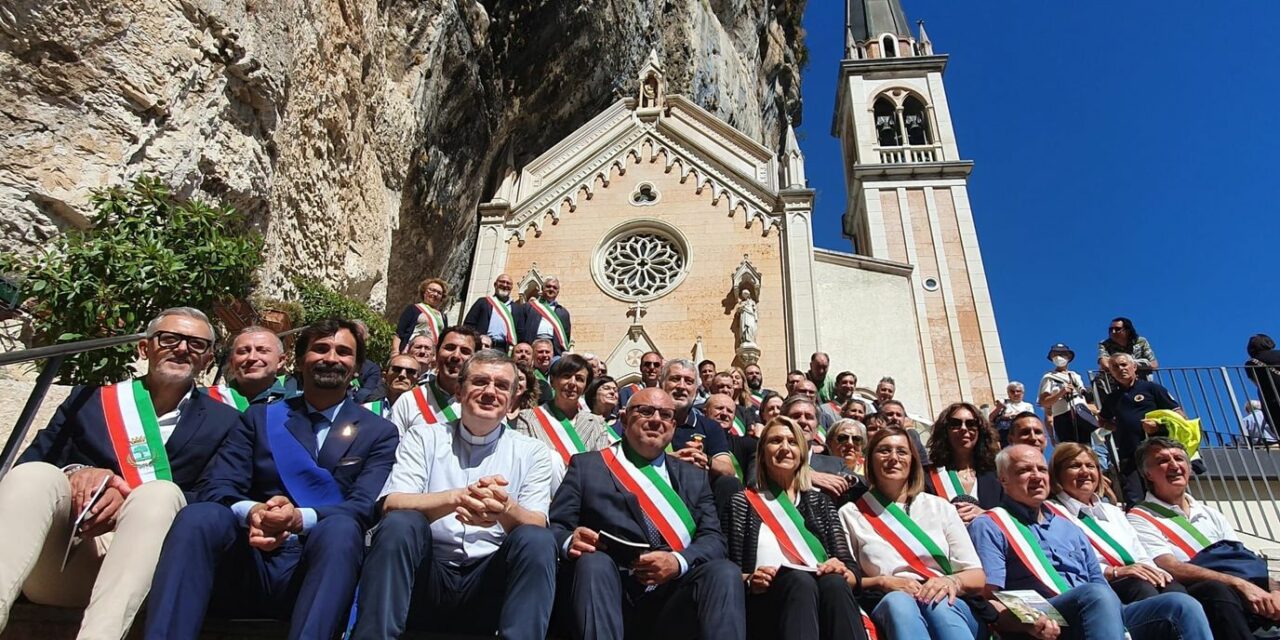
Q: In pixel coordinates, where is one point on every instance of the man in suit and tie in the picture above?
(143, 443)
(497, 316)
(546, 318)
(286, 504)
(635, 491)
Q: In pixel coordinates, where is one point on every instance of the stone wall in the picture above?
(359, 135)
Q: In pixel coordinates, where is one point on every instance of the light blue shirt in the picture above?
(545, 330)
(1064, 544)
(309, 517)
(497, 329)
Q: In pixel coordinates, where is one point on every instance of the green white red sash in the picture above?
(1027, 549)
(549, 314)
(1111, 552)
(508, 323)
(376, 407)
(135, 433)
(560, 431)
(634, 388)
(435, 407)
(1173, 526)
(776, 511)
(756, 398)
(228, 396)
(658, 500)
(434, 321)
(892, 523)
(946, 483)
(737, 468)
(737, 428)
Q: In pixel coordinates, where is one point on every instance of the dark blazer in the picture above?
(360, 458)
(591, 497)
(481, 313)
(820, 518)
(990, 493)
(77, 434)
(527, 325)
(371, 385)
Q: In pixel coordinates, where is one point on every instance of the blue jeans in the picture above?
(899, 616)
(1094, 613)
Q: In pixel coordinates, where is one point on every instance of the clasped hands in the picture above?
(481, 503)
(762, 577)
(102, 517)
(651, 569)
(272, 522)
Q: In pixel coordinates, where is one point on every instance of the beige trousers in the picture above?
(109, 576)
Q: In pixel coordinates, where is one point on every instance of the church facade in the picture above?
(669, 229)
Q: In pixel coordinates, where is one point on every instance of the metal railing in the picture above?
(1239, 450)
(53, 355)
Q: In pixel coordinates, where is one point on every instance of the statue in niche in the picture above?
(748, 318)
(649, 92)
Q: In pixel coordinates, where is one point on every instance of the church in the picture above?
(670, 230)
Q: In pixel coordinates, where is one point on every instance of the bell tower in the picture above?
(908, 197)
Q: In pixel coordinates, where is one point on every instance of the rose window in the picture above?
(641, 262)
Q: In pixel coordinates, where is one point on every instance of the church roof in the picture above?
(867, 19)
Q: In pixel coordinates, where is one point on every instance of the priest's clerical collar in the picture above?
(479, 441)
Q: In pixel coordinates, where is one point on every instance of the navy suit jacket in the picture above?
(481, 313)
(359, 451)
(77, 434)
(591, 497)
(990, 491)
(527, 325)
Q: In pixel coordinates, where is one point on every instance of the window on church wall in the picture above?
(641, 261)
(886, 115)
(889, 46)
(916, 120)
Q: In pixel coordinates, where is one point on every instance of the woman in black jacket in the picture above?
(799, 573)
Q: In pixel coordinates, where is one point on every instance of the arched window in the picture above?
(916, 120)
(887, 123)
(888, 46)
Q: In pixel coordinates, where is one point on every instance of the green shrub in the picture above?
(319, 302)
(146, 251)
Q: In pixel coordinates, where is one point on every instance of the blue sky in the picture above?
(1123, 154)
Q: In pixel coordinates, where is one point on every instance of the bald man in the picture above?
(497, 316)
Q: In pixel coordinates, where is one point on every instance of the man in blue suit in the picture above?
(142, 444)
(287, 502)
(545, 317)
(634, 491)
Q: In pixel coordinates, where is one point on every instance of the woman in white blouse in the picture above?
(921, 575)
(1126, 563)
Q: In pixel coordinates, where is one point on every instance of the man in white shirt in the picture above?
(1177, 529)
(435, 401)
(464, 536)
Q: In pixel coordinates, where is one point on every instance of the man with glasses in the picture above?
(463, 545)
(279, 532)
(546, 318)
(400, 378)
(116, 462)
(436, 401)
(698, 439)
(650, 367)
(498, 315)
(253, 369)
(679, 579)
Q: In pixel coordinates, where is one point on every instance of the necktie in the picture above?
(318, 422)
(651, 531)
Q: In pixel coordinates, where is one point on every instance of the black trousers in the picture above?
(1228, 614)
(1067, 427)
(800, 604)
(1131, 590)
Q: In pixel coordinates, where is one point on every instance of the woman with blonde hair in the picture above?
(786, 536)
(423, 318)
(921, 575)
(847, 439)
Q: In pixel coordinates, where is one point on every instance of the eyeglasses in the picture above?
(1115, 329)
(170, 340)
(398, 370)
(648, 411)
(848, 438)
(646, 365)
(957, 423)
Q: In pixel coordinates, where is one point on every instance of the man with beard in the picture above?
(497, 316)
(650, 367)
(463, 545)
(253, 367)
(546, 318)
(285, 506)
(435, 402)
(423, 349)
(400, 378)
(142, 444)
(755, 383)
(698, 439)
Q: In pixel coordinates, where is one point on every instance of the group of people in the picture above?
(521, 491)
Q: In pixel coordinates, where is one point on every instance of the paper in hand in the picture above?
(75, 526)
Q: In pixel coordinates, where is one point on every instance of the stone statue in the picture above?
(649, 93)
(748, 317)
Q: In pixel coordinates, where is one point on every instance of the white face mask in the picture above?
(1059, 361)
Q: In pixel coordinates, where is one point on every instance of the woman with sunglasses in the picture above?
(962, 449)
(1126, 564)
(786, 536)
(845, 440)
(1122, 337)
(561, 423)
(921, 575)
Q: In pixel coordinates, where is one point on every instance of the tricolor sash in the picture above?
(1174, 526)
(135, 433)
(1028, 551)
(376, 407)
(737, 428)
(756, 398)
(776, 511)
(634, 388)
(1111, 552)
(560, 431)
(737, 468)
(309, 484)
(946, 483)
(435, 407)
(228, 396)
(434, 321)
(658, 500)
(508, 323)
(892, 523)
(549, 313)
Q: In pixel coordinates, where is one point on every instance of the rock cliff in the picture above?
(358, 134)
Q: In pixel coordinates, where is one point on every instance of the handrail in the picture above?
(67, 348)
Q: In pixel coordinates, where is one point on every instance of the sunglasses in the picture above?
(171, 340)
(648, 411)
(957, 423)
(848, 438)
(647, 365)
(1115, 329)
(398, 370)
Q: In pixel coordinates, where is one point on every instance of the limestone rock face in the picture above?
(359, 135)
